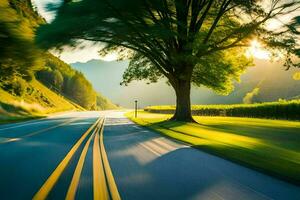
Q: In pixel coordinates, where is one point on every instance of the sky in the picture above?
(41, 5)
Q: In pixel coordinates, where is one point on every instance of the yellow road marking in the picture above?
(50, 182)
(100, 188)
(110, 178)
(76, 176)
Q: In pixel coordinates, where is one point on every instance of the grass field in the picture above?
(36, 103)
(271, 146)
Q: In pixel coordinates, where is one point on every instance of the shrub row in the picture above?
(289, 110)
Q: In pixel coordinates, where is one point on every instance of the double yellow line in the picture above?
(104, 186)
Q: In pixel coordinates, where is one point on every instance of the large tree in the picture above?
(186, 41)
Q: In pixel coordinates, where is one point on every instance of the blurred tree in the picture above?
(18, 54)
(45, 76)
(58, 79)
(187, 41)
(52, 78)
(295, 28)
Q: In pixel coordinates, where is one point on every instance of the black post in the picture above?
(135, 111)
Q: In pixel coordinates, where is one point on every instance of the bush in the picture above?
(51, 78)
(289, 110)
(57, 79)
(79, 89)
(17, 86)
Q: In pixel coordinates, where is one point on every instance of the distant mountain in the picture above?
(274, 83)
(106, 77)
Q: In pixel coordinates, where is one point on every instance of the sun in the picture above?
(256, 50)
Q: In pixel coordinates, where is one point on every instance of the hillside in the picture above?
(272, 79)
(62, 78)
(34, 82)
(100, 72)
(38, 101)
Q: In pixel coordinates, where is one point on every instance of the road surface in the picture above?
(148, 166)
(145, 165)
(30, 152)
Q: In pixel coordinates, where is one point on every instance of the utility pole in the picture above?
(135, 108)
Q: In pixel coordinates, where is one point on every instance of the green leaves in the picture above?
(141, 68)
(18, 53)
(199, 40)
(218, 71)
(61, 78)
(82, 91)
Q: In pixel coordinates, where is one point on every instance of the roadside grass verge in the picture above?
(19, 111)
(8, 120)
(270, 146)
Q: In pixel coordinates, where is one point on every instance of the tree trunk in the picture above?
(183, 101)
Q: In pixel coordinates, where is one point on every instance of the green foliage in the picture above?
(58, 79)
(273, 110)
(17, 86)
(218, 70)
(140, 68)
(104, 104)
(51, 78)
(82, 91)
(21, 60)
(37, 100)
(61, 78)
(44, 76)
(166, 39)
(18, 54)
(55, 63)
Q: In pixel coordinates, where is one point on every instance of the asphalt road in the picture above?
(145, 165)
(30, 151)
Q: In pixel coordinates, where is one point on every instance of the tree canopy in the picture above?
(198, 41)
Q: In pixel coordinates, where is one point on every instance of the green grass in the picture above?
(15, 119)
(271, 146)
(35, 103)
(54, 102)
